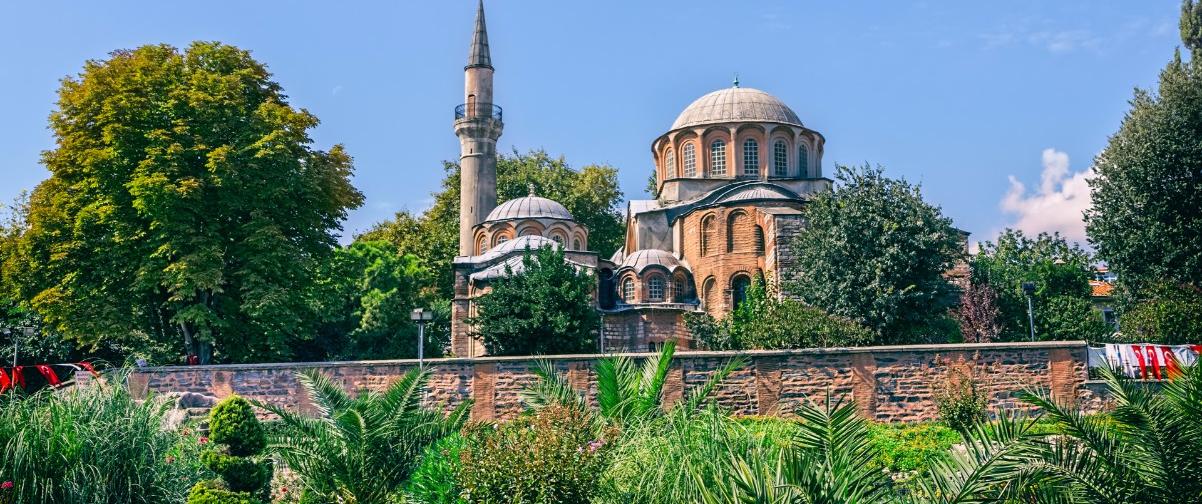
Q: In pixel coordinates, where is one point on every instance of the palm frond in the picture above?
(652, 379)
(551, 388)
(324, 393)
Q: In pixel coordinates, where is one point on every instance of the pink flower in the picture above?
(6, 485)
(203, 440)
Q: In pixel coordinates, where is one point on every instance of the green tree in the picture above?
(1060, 272)
(544, 308)
(875, 252)
(767, 321)
(1146, 218)
(364, 294)
(591, 194)
(185, 204)
(1169, 314)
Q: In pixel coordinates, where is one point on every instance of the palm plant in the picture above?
(626, 392)
(824, 462)
(359, 449)
(1148, 449)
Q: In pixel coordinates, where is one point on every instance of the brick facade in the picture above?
(894, 384)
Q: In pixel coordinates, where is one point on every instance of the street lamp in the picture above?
(26, 331)
(421, 318)
(1029, 290)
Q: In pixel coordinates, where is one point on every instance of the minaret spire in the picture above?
(478, 126)
(479, 55)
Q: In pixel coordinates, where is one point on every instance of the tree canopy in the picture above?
(591, 194)
(767, 321)
(875, 252)
(185, 205)
(545, 308)
(1146, 219)
(1060, 272)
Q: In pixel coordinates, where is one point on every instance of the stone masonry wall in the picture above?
(894, 384)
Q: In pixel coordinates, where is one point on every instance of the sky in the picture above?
(995, 108)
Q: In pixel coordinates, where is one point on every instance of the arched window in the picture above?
(738, 289)
(678, 293)
(780, 159)
(576, 244)
(709, 295)
(670, 165)
(708, 232)
(718, 157)
(655, 288)
(759, 240)
(690, 160)
(738, 227)
(803, 161)
(481, 246)
(751, 157)
(500, 239)
(558, 238)
(628, 290)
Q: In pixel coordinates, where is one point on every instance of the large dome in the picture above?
(736, 104)
(529, 207)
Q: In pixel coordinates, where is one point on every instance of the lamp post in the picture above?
(1029, 290)
(421, 317)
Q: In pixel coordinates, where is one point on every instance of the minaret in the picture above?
(478, 126)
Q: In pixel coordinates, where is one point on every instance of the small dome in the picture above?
(641, 259)
(529, 207)
(736, 104)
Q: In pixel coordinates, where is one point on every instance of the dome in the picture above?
(736, 104)
(650, 257)
(529, 207)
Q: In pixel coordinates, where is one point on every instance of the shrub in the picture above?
(435, 481)
(766, 321)
(1169, 314)
(551, 456)
(238, 439)
(961, 401)
(95, 444)
(911, 448)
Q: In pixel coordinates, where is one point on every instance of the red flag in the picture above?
(19, 377)
(49, 374)
(88, 366)
(4, 382)
(1139, 355)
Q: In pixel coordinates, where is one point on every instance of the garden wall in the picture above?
(893, 383)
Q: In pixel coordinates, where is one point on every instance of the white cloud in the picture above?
(1057, 205)
(337, 89)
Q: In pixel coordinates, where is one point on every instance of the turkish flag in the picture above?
(48, 372)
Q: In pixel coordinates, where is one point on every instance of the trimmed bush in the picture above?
(962, 402)
(244, 474)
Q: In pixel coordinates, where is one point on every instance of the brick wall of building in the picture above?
(888, 383)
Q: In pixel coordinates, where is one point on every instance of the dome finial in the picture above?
(736, 79)
(530, 187)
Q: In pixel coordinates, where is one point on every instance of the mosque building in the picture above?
(732, 174)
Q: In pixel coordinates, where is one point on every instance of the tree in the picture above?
(767, 321)
(545, 307)
(1060, 272)
(364, 295)
(185, 204)
(875, 252)
(1146, 218)
(1169, 314)
(978, 313)
(591, 194)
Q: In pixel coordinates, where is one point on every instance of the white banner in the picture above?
(1144, 360)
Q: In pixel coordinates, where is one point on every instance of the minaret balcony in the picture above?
(478, 111)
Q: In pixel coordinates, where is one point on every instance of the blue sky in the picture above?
(967, 98)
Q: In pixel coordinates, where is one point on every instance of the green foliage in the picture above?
(1061, 273)
(766, 321)
(238, 440)
(591, 194)
(363, 448)
(962, 401)
(875, 252)
(626, 393)
(95, 445)
(1146, 215)
(549, 457)
(211, 492)
(910, 448)
(435, 480)
(1169, 314)
(184, 198)
(365, 293)
(233, 423)
(545, 308)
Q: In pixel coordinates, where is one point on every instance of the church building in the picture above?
(732, 174)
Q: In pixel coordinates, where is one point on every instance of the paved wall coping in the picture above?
(952, 347)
